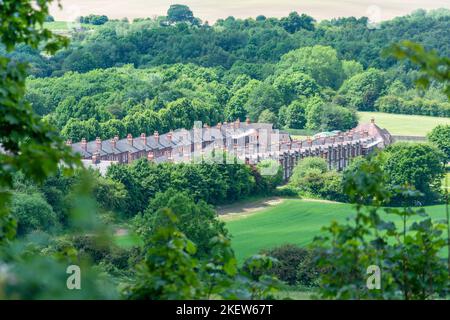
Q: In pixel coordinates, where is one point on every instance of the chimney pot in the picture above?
(98, 142)
(84, 143)
(144, 138)
(95, 158)
(130, 139)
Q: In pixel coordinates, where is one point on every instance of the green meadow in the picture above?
(400, 124)
(293, 221)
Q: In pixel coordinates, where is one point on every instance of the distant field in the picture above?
(63, 27)
(292, 221)
(399, 124)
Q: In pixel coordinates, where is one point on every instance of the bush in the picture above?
(294, 265)
(440, 136)
(417, 106)
(311, 176)
(32, 213)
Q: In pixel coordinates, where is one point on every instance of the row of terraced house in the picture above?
(250, 142)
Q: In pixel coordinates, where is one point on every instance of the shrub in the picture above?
(294, 265)
(417, 106)
(32, 213)
(311, 176)
(440, 136)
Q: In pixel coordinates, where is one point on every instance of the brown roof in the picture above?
(375, 131)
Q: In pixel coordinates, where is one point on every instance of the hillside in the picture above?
(293, 222)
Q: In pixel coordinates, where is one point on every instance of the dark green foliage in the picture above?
(179, 13)
(421, 166)
(197, 220)
(214, 183)
(417, 106)
(295, 22)
(169, 271)
(294, 265)
(32, 213)
(293, 116)
(408, 256)
(440, 136)
(94, 19)
(432, 65)
(28, 144)
(363, 89)
(312, 177)
(329, 117)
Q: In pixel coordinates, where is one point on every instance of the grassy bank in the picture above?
(292, 221)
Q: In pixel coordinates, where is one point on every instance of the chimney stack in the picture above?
(150, 156)
(156, 135)
(237, 123)
(144, 138)
(113, 143)
(219, 125)
(130, 139)
(98, 143)
(95, 158)
(170, 136)
(247, 121)
(84, 144)
(69, 142)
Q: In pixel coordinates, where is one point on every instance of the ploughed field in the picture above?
(291, 221)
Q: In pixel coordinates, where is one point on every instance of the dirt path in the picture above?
(247, 208)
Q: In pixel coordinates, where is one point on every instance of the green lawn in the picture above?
(399, 124)
(293, 221)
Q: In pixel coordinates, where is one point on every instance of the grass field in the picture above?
(292, 221)
(63, 27)
(399, 124)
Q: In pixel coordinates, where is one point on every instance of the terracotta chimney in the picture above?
(170, 136)
(144, 138)
(150, 156)
(95, 158)
(130, 139)
(84, 144)
(156, 135)
(98, 143)
(247, 121)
